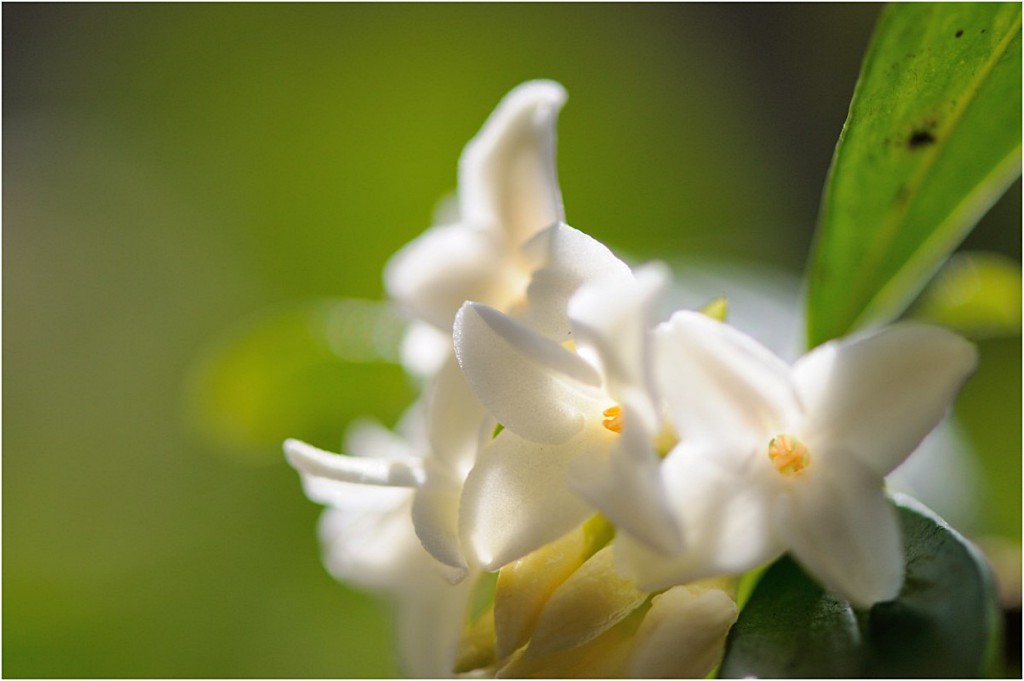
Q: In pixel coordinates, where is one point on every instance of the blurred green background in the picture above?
(182, 183)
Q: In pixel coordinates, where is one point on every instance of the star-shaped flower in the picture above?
(579, 419)
(775, 458)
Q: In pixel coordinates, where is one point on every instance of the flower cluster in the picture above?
(616, 473)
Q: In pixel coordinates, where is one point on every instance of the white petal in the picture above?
(435, 515)
(876, 397)
(530, 384)
(371, 548)
(316, 462)
(455, 415)
(424, 349)
(566, 259)
(724, 515)
(683, 634)
(430, 615)
(435, 273)
(507, 176)
(351, 496)
(624, 483)
(844, 531)
(612, 320)
(516, 498)
(719, 382)
(366, 438)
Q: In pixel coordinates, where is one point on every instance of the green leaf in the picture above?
(945, 622)
(299, 370)
(932, 139)
(977, 294)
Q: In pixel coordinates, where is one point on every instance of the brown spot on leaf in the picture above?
(959, 33)
(920, 138)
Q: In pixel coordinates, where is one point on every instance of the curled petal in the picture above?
(845, 532)
(435, 516)
(516, 498)
(508, 181)
(312, 461)
(875, 397)
(530, 384)
(718, 382)
(566, 259)
(352, 496)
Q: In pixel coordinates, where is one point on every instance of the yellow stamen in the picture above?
(613, 422)
(788, 454)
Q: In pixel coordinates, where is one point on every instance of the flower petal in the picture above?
(454, 419)
(436, 272)
(508, 181)
(435, 516)
(530, 384)
(719, 382)
(845, 533)
(429, 618)
(611, 320)
(590, 602)
(526, 584)
(516, 498)
(624, 483)
(371, 547)
(368, 439)
(683, 634)
(724, 517)
(424, 349)
(875, 397)
(567, 259)
(312, 461)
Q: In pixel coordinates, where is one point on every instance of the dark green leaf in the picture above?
(932, 139)
(943, 624)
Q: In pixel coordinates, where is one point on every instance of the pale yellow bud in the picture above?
(564, 611)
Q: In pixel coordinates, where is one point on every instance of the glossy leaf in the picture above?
(932, 139)
(943, 624)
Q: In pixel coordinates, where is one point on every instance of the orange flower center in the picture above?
(613, 419)
(788, 454)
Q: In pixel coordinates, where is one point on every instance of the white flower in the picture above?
(442, 452)
(775, 458)
(577, 425)
(369, 541)
(508, 191)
